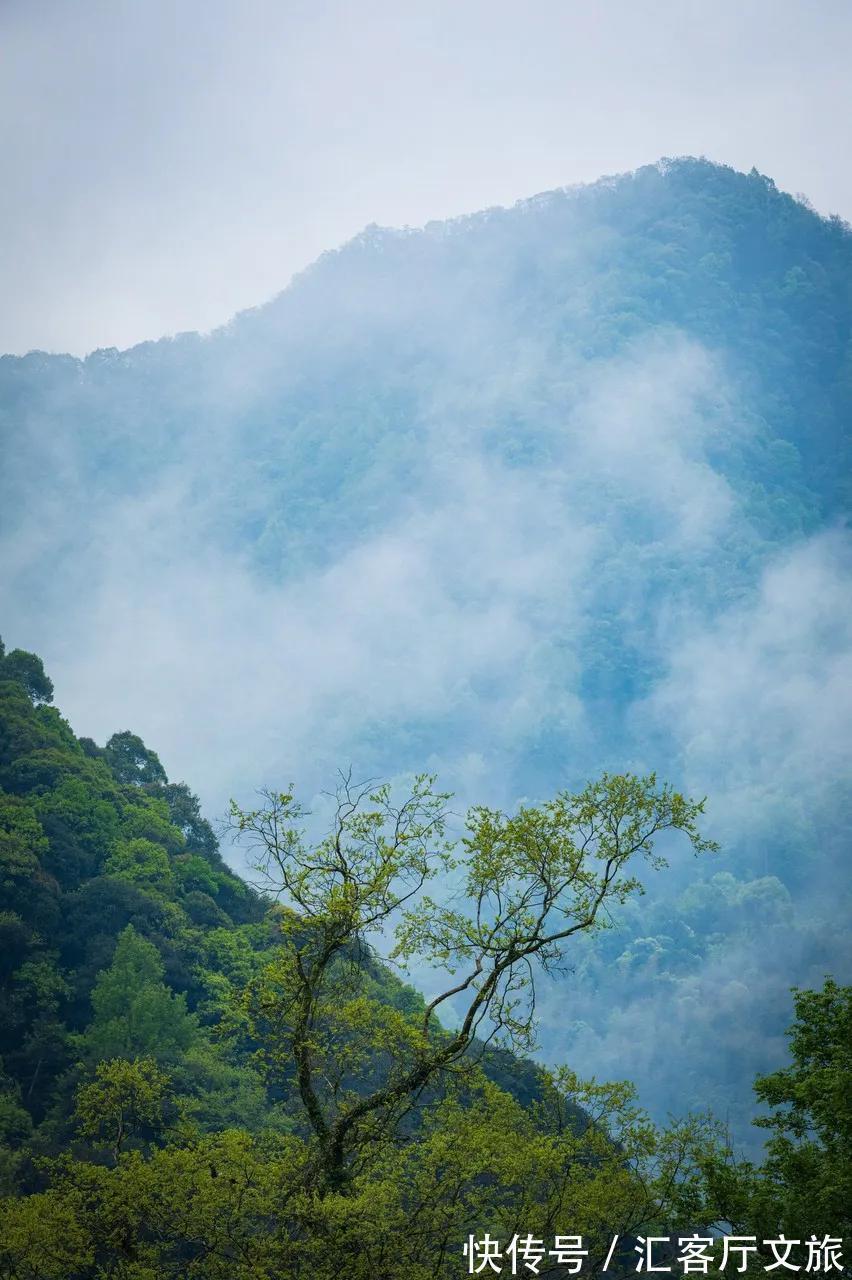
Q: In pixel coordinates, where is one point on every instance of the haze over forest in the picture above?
(514, 498)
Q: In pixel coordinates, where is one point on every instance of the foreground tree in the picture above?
(516, 890)
(804, 1186)
(809, 1152)
(236, 1206)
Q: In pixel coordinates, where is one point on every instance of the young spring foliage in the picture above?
(526, 885)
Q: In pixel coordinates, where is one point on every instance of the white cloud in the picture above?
(759, 700)
(462, 625)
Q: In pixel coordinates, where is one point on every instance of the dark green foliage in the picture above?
(125, 937)
(28, 671)
(131, 761)
(372, 398)
(326, 410)
(130, 1033)
(185, 814)
(104, 901)
(809, 1166)
(803, 1188)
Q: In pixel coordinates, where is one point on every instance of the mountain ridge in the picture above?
(373, 234)
(565, 489)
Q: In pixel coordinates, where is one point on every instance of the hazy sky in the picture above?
(167, 163)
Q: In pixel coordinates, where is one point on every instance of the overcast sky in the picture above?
(167, 163)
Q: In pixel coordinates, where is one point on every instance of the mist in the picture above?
(429, 511)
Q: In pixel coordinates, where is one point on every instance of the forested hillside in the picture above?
(197, 1081)
(516, 498)
(126, 936)
(121, 922)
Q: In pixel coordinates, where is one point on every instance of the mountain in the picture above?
(516, 497)
(170, 1105)
(125, 935)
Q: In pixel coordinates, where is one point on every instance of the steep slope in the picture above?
(517, 496)
(125, 936)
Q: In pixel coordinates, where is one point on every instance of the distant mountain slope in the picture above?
(347, 358)
(516, 496)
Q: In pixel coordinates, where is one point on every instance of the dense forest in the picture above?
(538, 501)
(201, 1078)
(519, 497)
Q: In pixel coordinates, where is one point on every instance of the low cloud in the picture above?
(757, 702)
(490, 623)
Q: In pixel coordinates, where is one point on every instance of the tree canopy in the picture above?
(203, 1080)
